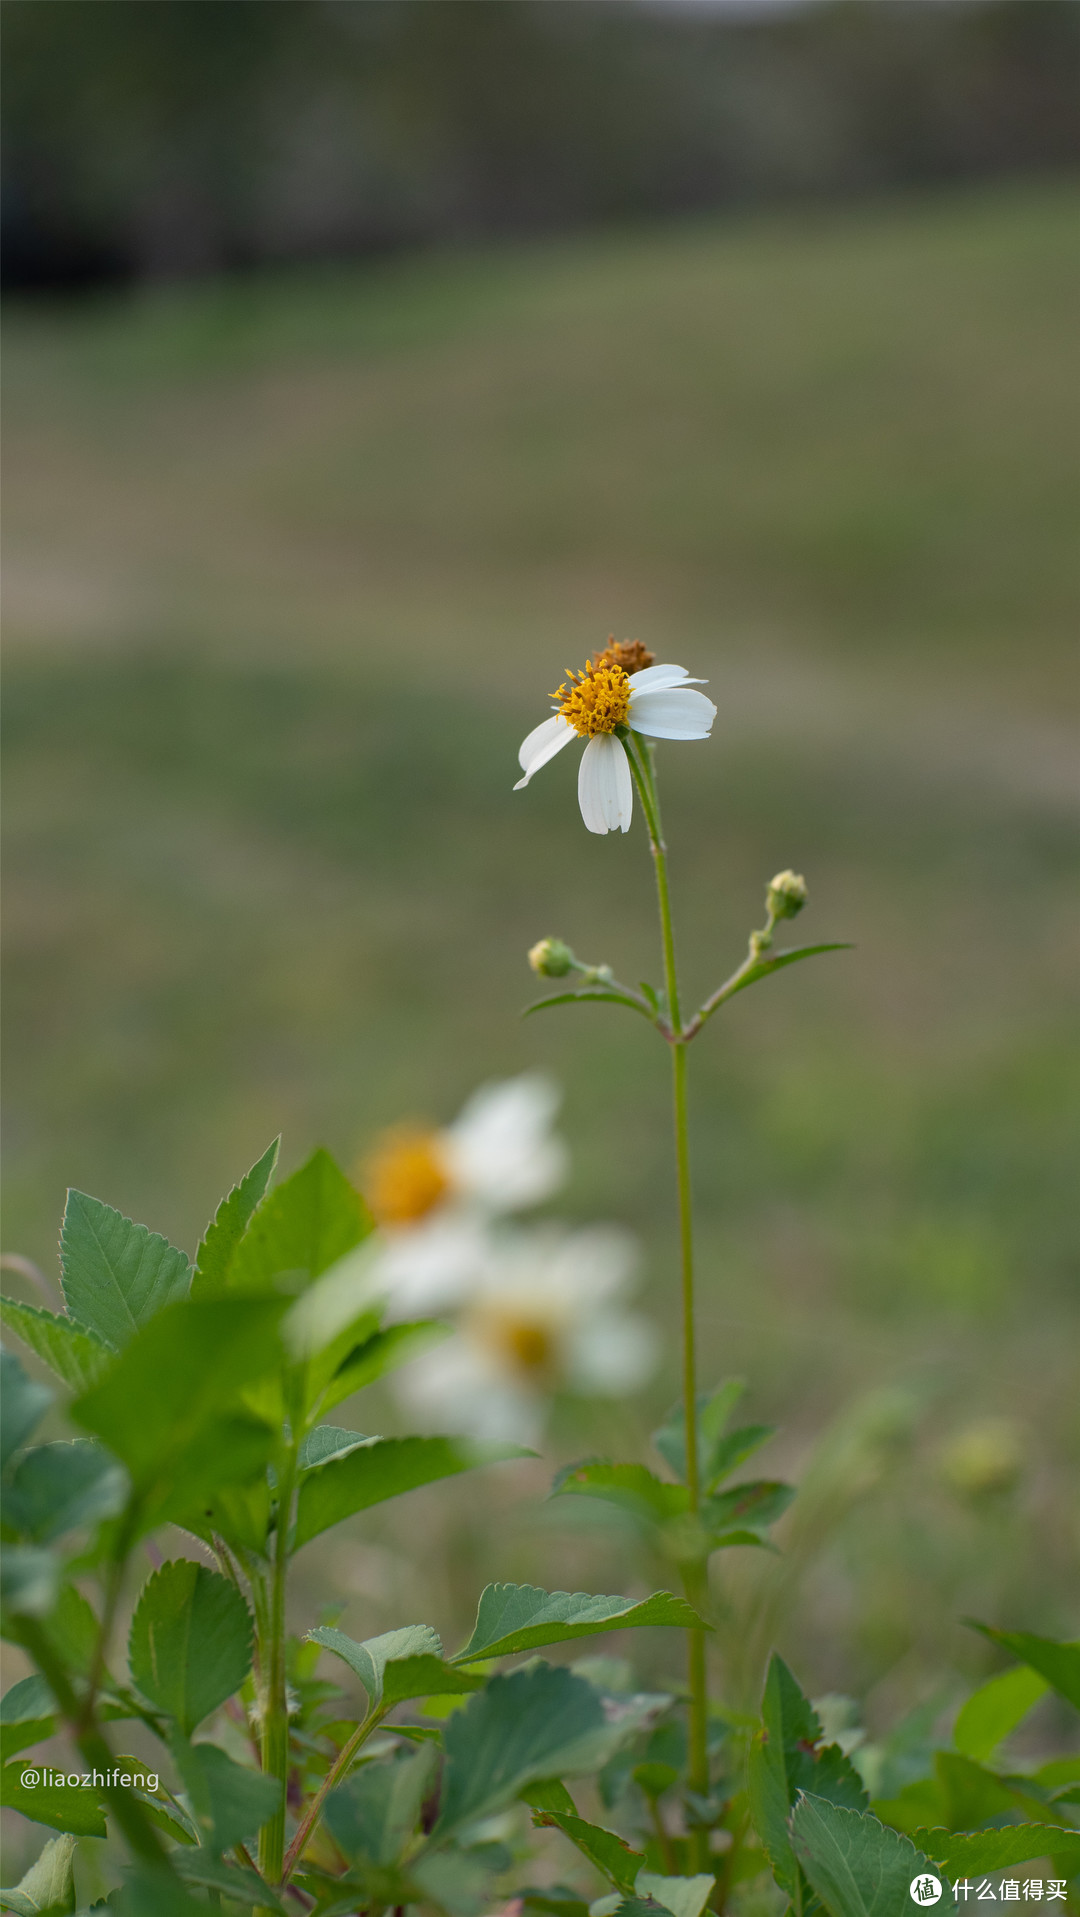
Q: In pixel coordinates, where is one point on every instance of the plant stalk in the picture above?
(695, 1575)
(275, 1724)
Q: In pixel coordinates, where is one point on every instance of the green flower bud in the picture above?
(550, 958)
(786, 895)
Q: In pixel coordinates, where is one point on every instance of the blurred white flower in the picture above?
(543, 1315)
(434, 1191)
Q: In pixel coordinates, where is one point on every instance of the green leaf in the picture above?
(973, 1853)
(1058, 1663)
(171, 1405)
(29, 1698)
(788, 1758)
(23, 1404)
(159, 1803)
(191, 1641)
(630, 1486)
(49, 1884)
(229, 1802)
(328, 1441)
(239, 1885)
(239, 1513)
(150, 1892)
(776, 964)
(456, 1881)
(77, 1356)
(549, 1794)
(60, 1486)
(116, 1275)
(537, 1723)
(857, 1865)
(66, 1807)
(970, 1795)
(303, 1227)
(683, 1896)
(590, 998)
(72, 1629)
(995, 1709)
(24, 1735)
(28, 1580)
(714, 1408)
(399, 1665)
(520, 1617)
(555, 1900)
(228, 1225)
(613, 1858)
(373, 1815)
(382, 1352)
(382, 1468)
(744, 1513)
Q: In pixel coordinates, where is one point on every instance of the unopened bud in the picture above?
(786, 895)
(550, 958)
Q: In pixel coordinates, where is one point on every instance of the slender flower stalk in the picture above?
(275, 1724)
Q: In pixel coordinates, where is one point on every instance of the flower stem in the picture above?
(275, 1702)
(695, 1575)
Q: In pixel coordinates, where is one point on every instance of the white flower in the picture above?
(433, 1191)
(658, 701)
(543, 1315)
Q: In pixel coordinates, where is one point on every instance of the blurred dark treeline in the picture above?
(152, 138)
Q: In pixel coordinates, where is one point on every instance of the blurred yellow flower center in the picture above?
(525, 1344)
(406, 1176)
(596, 700)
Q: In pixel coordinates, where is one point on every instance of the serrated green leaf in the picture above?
(302, 1228)
(548, 1794)
(49, 1884)
(370, 1658)
(60, 1486)
(970, 1794)
(116, 1275)
(72, 1629)
(537, 1723)
(161, 1807)
(1058, 1662)
(170, 1407)
(239, 1513)
(609, 1854)
(521, 1617)
(230, 1221)
(995, 1710)
(229, 1802)
(77, 1356)
(383, 1468)
(857, 1865)
(329, 1441)
(788, 1758)
(683, 1896)
(373, 1815)
(23, 1404)
(66, 1807)
(973, 1853)
(629, 1486)
(191, 1641)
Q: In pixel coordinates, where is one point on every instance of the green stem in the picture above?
(337, 1770)
(275, 1701)
(698, 1765)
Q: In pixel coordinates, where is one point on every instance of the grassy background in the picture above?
(291, 564)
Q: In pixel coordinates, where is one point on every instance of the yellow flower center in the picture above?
(595, 700)
(525, 1345)
(406, 1176)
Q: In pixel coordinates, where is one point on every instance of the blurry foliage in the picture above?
(181, 136)
(291, 564)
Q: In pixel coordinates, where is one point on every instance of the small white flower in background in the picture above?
(621, 687)
(544, 1315)
(433, 1191)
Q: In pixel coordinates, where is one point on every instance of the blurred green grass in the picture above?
(291, 564)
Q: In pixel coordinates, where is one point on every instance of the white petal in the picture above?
(674, 712)
(430, 1267)
(501, 1149)
(591, 1266)
(457, 1388)
(605, 787)
(543, 742)
(651, 678)
(615, 1352)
